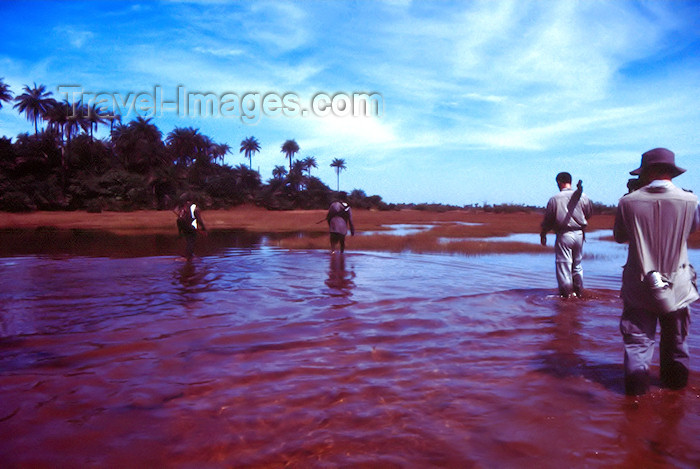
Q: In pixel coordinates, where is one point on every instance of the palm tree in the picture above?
(146, 130)
(118, 132)
(95, 116)
(278, 172)
(206, 150)
(250, 146)
(296, 176)
(63, 120)
(112, 118)
(290, 148)
(73, 121)
(34, 102)
(139, 145)
(309, 162)
(185, 144)
(82, 119)
(247, 180)
(5, 93)
(339, 165)
(57, 117)
(219, 151)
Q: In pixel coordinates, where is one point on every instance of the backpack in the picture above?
(185, 220)
(334, 212)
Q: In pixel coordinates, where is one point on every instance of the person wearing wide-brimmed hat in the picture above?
(567, 214)
(658, 282)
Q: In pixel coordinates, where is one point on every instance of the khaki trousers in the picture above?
(568, 249)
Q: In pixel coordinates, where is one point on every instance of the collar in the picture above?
(660, 183)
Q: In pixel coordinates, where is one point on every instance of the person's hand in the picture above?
(543, 239)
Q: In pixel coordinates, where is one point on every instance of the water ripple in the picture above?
(263, 357)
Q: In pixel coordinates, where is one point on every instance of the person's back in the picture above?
(656, 220)
(658, 282)
(186, 221)
(570, 215)
(338, 218)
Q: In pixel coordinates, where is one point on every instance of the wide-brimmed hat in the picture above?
(659, 156)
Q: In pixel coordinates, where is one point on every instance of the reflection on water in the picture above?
(250, 355)
(340, 279)
(403, 229)
(400, 229)
(77, 242)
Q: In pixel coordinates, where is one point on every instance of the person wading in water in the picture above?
(189, 223)
(567, 214)
(658, 282)
(339, 218)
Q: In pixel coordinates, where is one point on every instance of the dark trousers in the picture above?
(638, 328)
(190, 239)
(337, 238)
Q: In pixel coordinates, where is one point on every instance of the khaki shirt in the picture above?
(656, 220)
(564, 214)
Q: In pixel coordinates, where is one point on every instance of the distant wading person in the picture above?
(567, 214)
(339, 218)
(658, 282)
(189, 223)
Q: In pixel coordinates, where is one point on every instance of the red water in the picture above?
(252, 356)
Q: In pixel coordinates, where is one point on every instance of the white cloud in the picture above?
(358, 131)
(74, 36)
(488, 98)
(219, 52)
(280, 27)
(572, 49)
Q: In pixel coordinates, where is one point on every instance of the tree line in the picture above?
(64, 167)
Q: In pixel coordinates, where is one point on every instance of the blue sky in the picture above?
(483, 101)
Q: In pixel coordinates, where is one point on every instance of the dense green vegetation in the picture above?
(62, 166)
